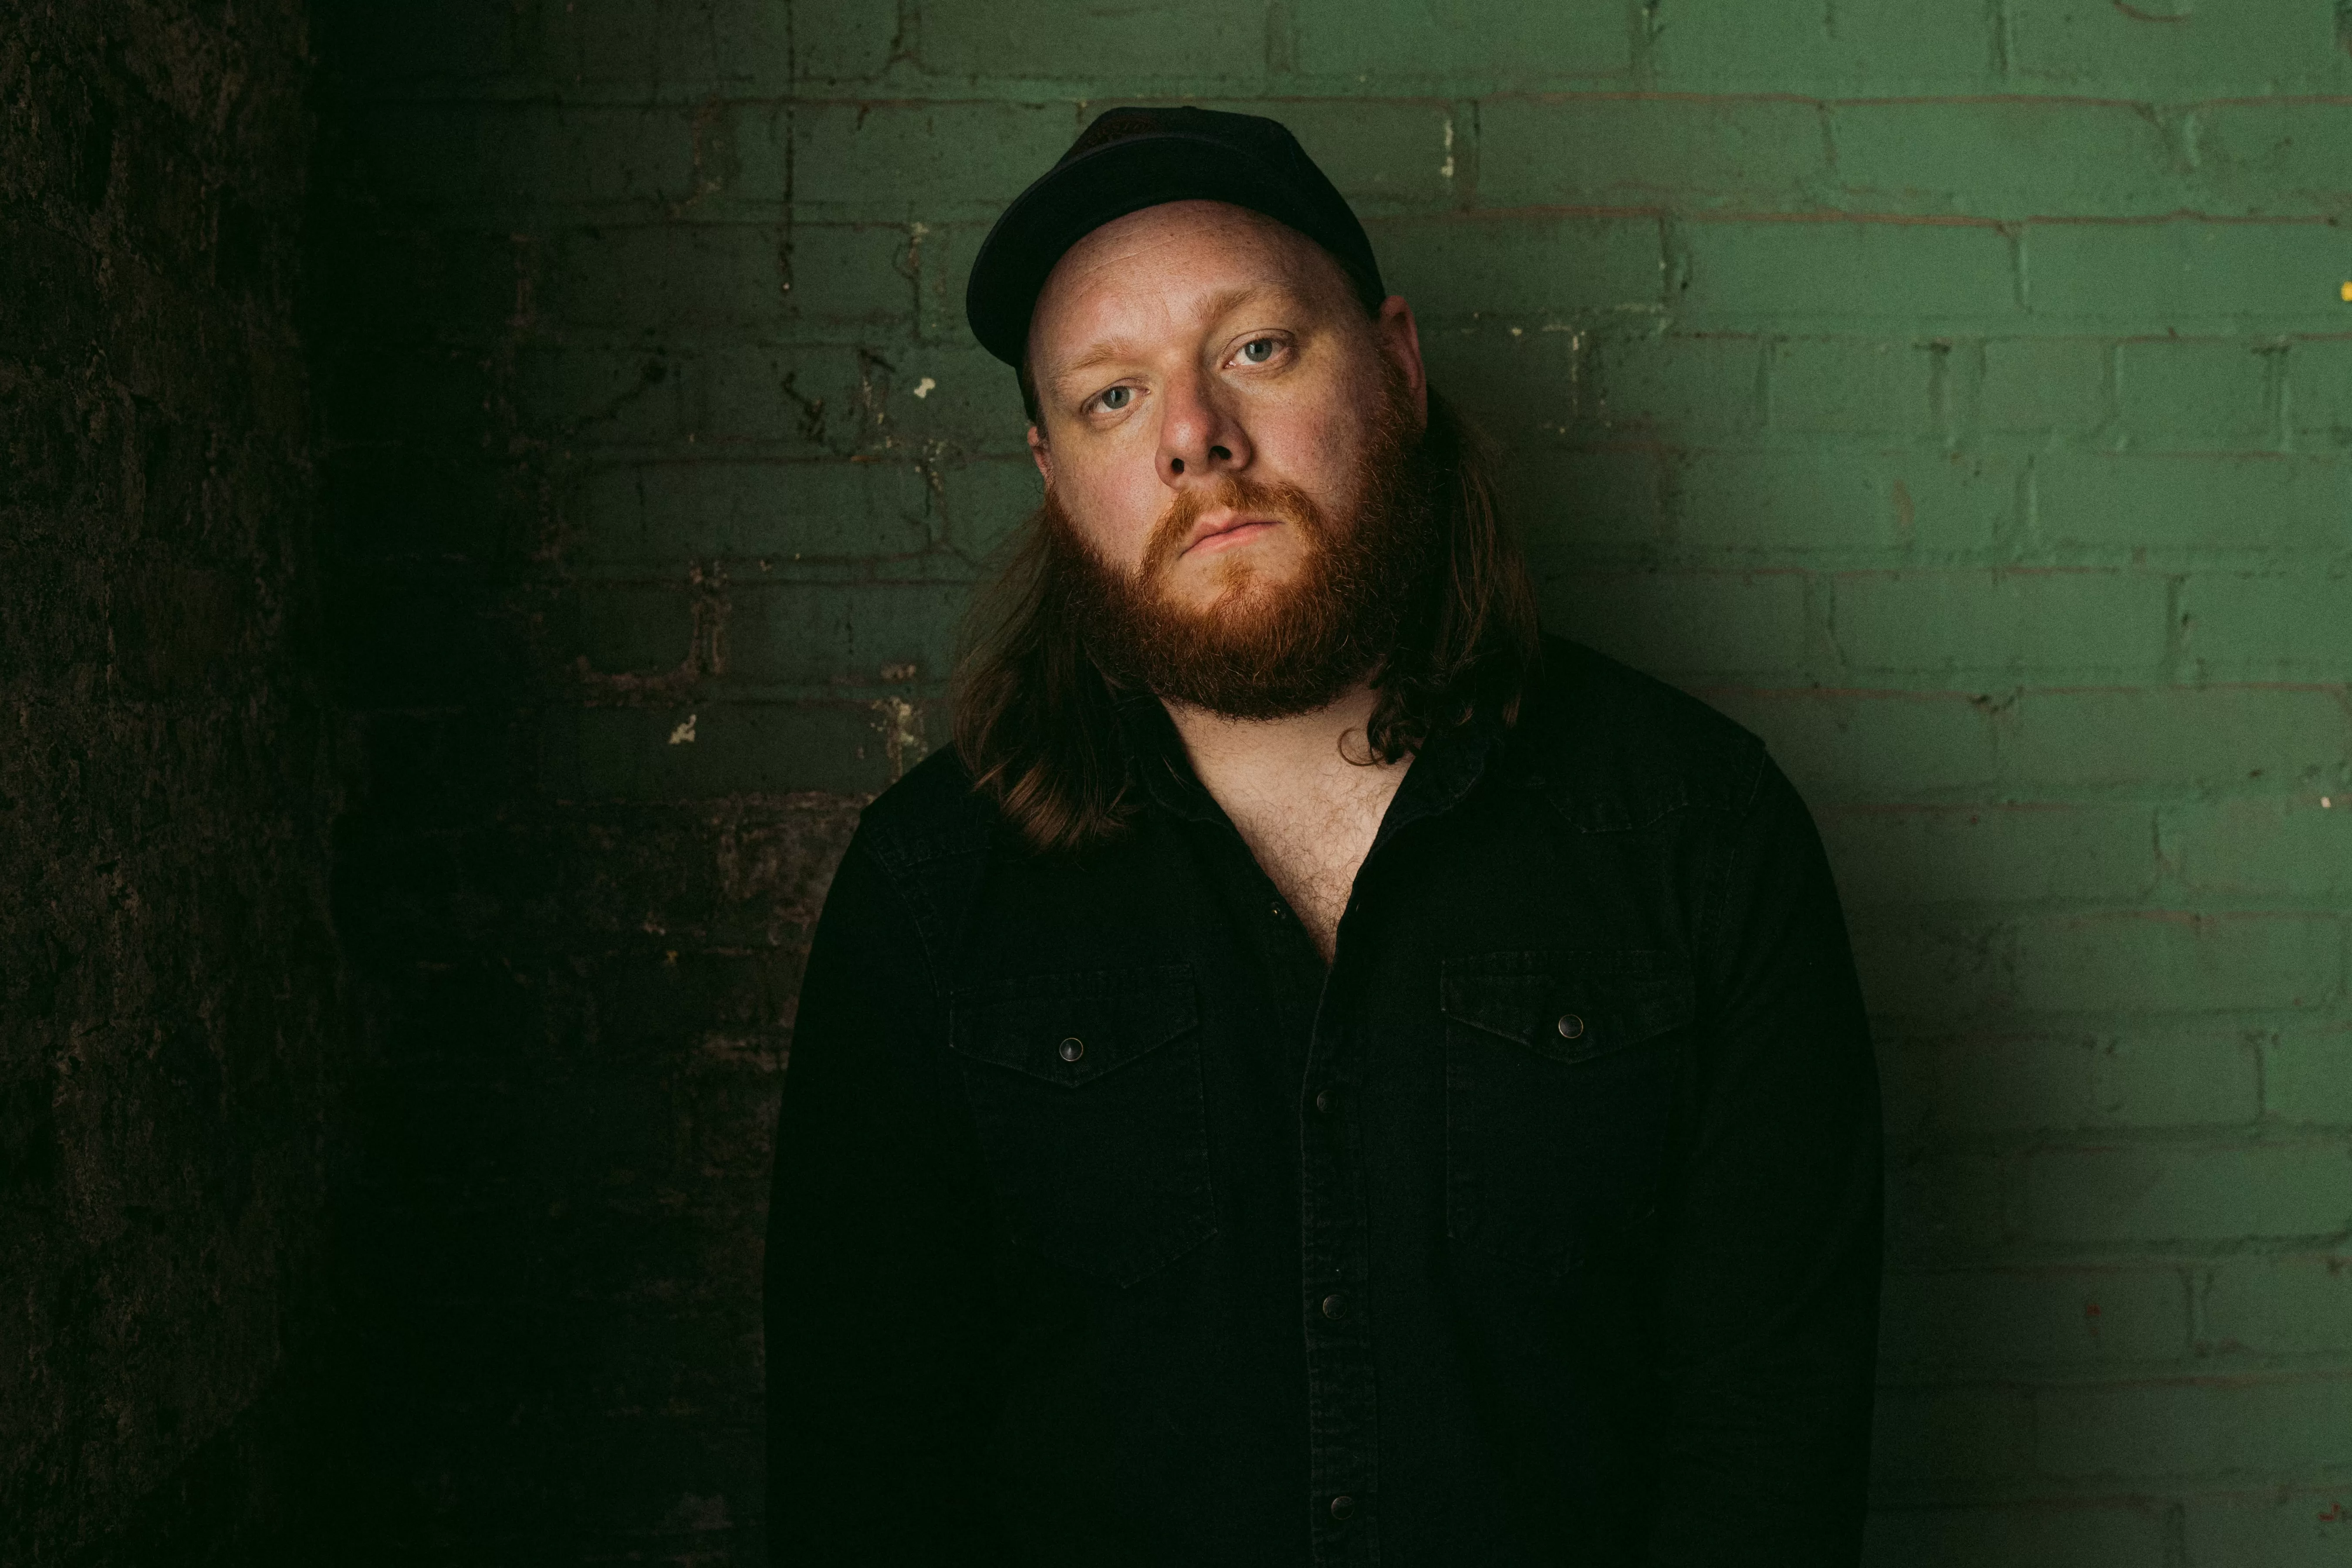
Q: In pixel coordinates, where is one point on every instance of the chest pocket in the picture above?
(1560, 1071)
(1085, 1093)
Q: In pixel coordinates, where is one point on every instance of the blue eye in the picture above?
(1257, 350)
(1118, 398)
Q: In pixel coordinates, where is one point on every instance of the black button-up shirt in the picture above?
(1542, 1227)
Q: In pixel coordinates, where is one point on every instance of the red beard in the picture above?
(1261, 649)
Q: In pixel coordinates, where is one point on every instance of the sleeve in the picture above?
(881, 1370)
(1769, 1299)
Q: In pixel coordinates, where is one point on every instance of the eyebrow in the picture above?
(1108, 349)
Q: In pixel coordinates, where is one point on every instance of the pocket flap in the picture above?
(1571, 1006)
(1070, 1029)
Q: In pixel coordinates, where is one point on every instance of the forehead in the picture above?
(1163, 269)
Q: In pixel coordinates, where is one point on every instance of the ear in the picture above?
(1041, 455)
(1400, 341)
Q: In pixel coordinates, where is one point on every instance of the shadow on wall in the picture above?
(659, 465)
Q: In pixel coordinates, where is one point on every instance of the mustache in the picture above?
(1234, 492)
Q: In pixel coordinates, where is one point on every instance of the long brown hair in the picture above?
(1035, 720)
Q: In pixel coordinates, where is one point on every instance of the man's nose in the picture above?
(1200, 438)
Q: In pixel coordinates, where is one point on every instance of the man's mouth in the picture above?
(1223, 533)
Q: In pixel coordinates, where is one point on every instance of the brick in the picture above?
(636, 628)
(2007, 158)
(606, 396)
(841, 635)
(1522, 270)
(2137, 1195)
(984, 501)
(2263, 846)
(794, 402)
(2251, 1427)
(1857, 387)
(2160, 502)
(429, 395)
(2195, 394)
(392, 502)
(2203, 737)
(1208, 41)
(1570, 507)
(2284, 1304)
(679, 44)
(841, 40)
(501, 159)
(2031, 1535)
(841, 747)
(1992, 1321)
(2029, 623)
(2176, 963)
(1746, 155)
(2246, 625)
(860, 277)
(1974, 1085)
(1951, 1435)
(432, 284)
(1947, 1208)
(940, 256)
(2307, 1074)
(670, 278)
(698, 508)
(1793, 502)
(2037, 384)
(1848, 270)
(1782, 45)
(1871, 746)
(1518, 384)
(2001, 854)
(445, 38)
(2263, 158)
(2278, 1527)
(973, 403)
(1477, 44)
(2170, 49)
(1941, 965)
(2319, 386)
(1680, 623)
(897, 163)
(1681, 387)
(2186, 274)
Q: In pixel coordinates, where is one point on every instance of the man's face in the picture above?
(1196, 362)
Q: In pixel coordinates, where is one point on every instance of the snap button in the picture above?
(1342, 1505)
(1323, 1101)
(1571, 1026)
(1075, 1048)
(1335, 1306)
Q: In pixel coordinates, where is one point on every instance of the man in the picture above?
(1318, 1074)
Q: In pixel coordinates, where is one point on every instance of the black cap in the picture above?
(1130, 159)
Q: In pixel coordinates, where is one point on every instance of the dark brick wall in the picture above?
(1957, 398)
(172, 1033)
(1954, 392)
(576, 994)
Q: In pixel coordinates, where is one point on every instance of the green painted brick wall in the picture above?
(1958, 394)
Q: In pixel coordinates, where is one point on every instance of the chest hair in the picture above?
(1310, 839)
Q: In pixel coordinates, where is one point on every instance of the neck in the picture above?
(1301, 745)
(1305, 794)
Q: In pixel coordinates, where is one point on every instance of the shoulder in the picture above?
(1617, 749)
(919, 853)
(931, 814)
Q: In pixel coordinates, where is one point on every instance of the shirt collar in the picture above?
(1446, 770)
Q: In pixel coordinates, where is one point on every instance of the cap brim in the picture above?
(1081, 196)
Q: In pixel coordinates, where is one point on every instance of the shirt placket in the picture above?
(1342, 1389)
